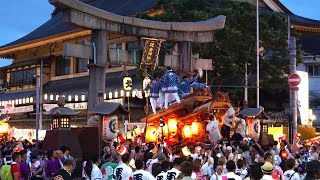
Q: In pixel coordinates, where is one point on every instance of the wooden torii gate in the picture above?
(102, 22)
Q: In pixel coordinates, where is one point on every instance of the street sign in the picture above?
(294, 80)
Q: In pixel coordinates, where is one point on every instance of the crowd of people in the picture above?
(236, 160)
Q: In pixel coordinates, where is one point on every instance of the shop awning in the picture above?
(6, 96)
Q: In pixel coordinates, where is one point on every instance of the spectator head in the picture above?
(240, 163)
(96, 159)
(139, 164)
(222, 161)
(196, 165)
(231, 166)
(291, 164)
(169, 68)
(59, 154)
(313, 169)
(165, 166)
(50, 154)
(65, 150)
(219, 169)
(68, 165)
(177, 162)
(268, 158)
(24, 155)
(137, 149)
(267, 168)
(186, 168)
(16, 157)
(161, 156)
(255, 172)
(125, 158)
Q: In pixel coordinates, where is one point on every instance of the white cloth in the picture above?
(213, 130)
(96, 173)
(123, 171)
(170, 95)
(142, 175)
(153, 102)
(151, 163)
(233, 175)
(215, 176)
(267, 177)
(287, 174)
(230, 157)
(242, 172)
(162, 176)
(173, 174)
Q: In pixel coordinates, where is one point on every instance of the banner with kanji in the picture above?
(150, 53)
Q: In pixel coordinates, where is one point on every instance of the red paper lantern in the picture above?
(121, 138)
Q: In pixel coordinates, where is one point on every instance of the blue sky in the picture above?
(19, 17)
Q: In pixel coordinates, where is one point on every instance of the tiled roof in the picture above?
(55, 25)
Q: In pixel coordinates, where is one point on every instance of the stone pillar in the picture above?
(185, 56)
(97, 72)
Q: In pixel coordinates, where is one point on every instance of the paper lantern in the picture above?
(185, 151)
(194, 128)
(129, 135)
(127, 83)
(297, 136)
(137, 131)
(152, 134)
(169, 142)
(122, 150)
(121, 138)
(172, 125)
(187, 131)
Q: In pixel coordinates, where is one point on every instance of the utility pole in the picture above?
(245, 102)
(293, 93)
(41, 95)
(258, 63)
(37, 109)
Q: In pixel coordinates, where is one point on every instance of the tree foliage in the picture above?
(235, 45)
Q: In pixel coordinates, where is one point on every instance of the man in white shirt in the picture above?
(229, 153)
(173, 173)
(291, 174)
(123, 171)
(141, 174)
(231, 167)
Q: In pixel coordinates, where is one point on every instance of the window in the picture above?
(133, 46)
(81, 65)
(20, 77)
(62, 66)
(313, 70)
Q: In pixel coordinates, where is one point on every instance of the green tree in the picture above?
(235, 45)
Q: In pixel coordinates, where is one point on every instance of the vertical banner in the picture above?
(303, 97)
(150, 53)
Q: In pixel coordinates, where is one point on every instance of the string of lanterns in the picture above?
(76, 98)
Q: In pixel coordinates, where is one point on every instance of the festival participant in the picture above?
(313, 170)
(154, 86)
(24, 168)
(227, 120)
(66, 153)
(140, 173)
(52, 166)
(255, 172)
(213, 129)
(196, 170)
(36, 169)
(228, 153)
(15, 169)
(173, 173)
(108, 168)
(170, 82)
(291, 174)
(267, 170)
(231, 167)
(59, 156)
(156, 164)
(218, 173)
(241, 169)
(186, 170)
(196, 86)
(123, 171)
(92, 170)
(65, 172)
(165, 166)
(184, 86)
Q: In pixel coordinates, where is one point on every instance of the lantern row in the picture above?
(79, 98)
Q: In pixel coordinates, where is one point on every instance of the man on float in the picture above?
(154, 86)
(196, 86)
(170, 82)
(184, 86)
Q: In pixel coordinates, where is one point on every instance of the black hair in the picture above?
(185, 77)
(255, 172)
(177, 161)
(169, 68)
(15, 156)
(165, 166)
(50, 153)
(65, 148)
(231, 166)
(139, 164)
(186, 168)
(137, 149)
(23, 152)
(240, 163)
(125, 158)
(266, 156)
(95, 158)
(88, 167)
(291, 163)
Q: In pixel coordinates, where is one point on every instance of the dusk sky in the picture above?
(20, 17)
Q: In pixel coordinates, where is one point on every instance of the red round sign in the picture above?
(294, 80)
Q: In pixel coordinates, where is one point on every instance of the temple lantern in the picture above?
(172, 125)
(127, 83)
(195, 127)
(152, 134)
(137, 131)
(185, 151)
(187, 131)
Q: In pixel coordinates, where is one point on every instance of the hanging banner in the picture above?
(254, 129)
(150, 53)
(109, 128)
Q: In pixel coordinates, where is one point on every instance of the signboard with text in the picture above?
(150, 53)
